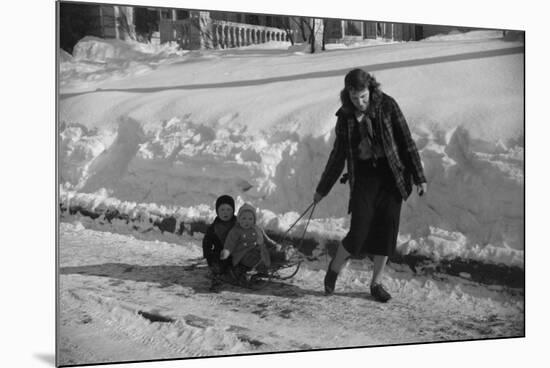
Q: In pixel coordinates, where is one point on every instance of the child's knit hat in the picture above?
(247, 208)
(225, 199)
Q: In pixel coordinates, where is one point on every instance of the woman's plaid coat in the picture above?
(399, 148)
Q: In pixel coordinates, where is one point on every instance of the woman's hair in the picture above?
(358, 80)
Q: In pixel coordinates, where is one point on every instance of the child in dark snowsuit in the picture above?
(212, 243)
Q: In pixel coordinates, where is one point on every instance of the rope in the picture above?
(312, 207)
(271, 273)
(305, 228)
(298, 219)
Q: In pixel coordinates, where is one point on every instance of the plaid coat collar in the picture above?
(398, 150)
(373, 111)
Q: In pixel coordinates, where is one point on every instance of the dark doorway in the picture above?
(147, 22)
(418, 33)
(77, 21)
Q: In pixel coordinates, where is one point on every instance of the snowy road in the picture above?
(126, 298)
(312, 75)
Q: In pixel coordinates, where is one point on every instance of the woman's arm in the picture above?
(406, 144)
(336, 161)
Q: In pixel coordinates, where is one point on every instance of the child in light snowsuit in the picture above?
(249, 246)
(214, 239)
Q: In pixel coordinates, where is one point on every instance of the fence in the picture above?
(190, 34)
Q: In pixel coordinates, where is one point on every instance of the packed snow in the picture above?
(456, 35)
(124, 298)
(152, 131)
(95, 59)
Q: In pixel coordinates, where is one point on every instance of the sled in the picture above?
(256, 279)
(252, 278)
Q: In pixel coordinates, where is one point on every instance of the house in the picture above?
(107, 21)
(206, 30)
(195, 29)
(192, 29)
(349, 31)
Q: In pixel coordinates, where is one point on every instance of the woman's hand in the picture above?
(317, 198)
(422, 189)
(224, 254)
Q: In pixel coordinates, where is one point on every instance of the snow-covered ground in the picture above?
(157, 132)
(112, 285)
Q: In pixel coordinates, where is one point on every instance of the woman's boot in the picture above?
(330, 280)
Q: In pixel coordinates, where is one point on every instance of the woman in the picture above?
(373, 137)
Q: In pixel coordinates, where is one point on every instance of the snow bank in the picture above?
(97, 49)
(437, 245)
(305, 48)
(362, 43)
(96, 59)
(271, 45)
(441, 244)
(456, 35)
(300, 48)
(194, 131)
(64, 56)
(476, 187)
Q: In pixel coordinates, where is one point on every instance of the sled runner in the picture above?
(257, 278)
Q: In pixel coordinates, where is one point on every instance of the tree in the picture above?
(307, 28)
(312, 35)
(325, 27)
(124, 24)
(301, 23)
(285, 25)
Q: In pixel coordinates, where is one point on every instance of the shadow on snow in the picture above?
(313, 75)
(194, 276)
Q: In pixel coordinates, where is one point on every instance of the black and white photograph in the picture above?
(236, 183)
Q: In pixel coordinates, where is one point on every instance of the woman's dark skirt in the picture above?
(375, 211)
